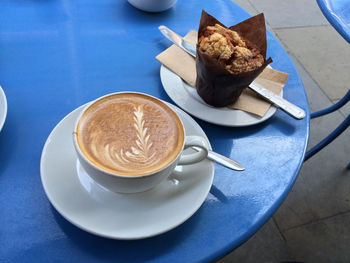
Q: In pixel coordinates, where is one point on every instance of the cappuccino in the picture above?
(130, 134)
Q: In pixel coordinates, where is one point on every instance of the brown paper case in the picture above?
(217, 86)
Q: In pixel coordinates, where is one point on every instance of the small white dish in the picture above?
(152, 5)
(3, 108)
(99, 211)
(188, 99)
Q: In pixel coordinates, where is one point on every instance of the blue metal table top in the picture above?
(58, 55)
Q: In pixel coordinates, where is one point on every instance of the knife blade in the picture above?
(277, 100)
(178, 40)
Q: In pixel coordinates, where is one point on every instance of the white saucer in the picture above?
(120, 216)
(3, 108)
(188, 99)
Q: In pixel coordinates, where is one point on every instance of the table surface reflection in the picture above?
(56, 55)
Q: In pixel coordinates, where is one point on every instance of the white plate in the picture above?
(120, 216)
(3, 108)
(188, 99)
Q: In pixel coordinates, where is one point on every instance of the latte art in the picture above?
(141, 151)
(130, 134)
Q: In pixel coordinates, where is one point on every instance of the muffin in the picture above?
(229, 59)
(231, 51)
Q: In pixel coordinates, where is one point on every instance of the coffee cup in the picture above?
(129, 142)
(152, 5)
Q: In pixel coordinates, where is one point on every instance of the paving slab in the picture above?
(322, 188)
(318, 100)
(316, 97)
(267, 245)
(323, 53)
(290, 13)
(345, 110)
(324, 241)
(314, 219)
(247, 6)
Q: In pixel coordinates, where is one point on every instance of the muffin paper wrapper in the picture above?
(217, 86)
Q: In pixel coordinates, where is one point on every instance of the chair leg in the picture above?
(342, 127)
(332, 108)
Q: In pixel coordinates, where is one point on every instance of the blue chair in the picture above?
(337, 13)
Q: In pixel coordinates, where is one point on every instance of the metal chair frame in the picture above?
(338, 17)
(337, 14)
(334, 134)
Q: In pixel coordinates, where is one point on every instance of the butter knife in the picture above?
(178, 40)
(283, 104)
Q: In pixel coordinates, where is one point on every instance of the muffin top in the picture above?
(231, 51)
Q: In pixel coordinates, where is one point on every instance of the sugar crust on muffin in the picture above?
(234, 53)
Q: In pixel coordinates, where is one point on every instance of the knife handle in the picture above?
(283, 104)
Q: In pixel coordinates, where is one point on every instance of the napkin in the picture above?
(184, 65)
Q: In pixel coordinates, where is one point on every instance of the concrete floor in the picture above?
(313, 224)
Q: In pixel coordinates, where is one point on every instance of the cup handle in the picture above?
(191, 141)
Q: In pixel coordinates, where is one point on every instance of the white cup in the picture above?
(139, 183)
(152, 5)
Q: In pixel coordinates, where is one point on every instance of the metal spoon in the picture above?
(223, 160)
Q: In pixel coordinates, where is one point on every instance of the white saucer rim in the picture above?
(3, 109)
(198, 113)
(63, 214)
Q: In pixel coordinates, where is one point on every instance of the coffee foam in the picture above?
(130, 134)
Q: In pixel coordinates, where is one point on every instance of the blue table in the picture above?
(58, 55)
